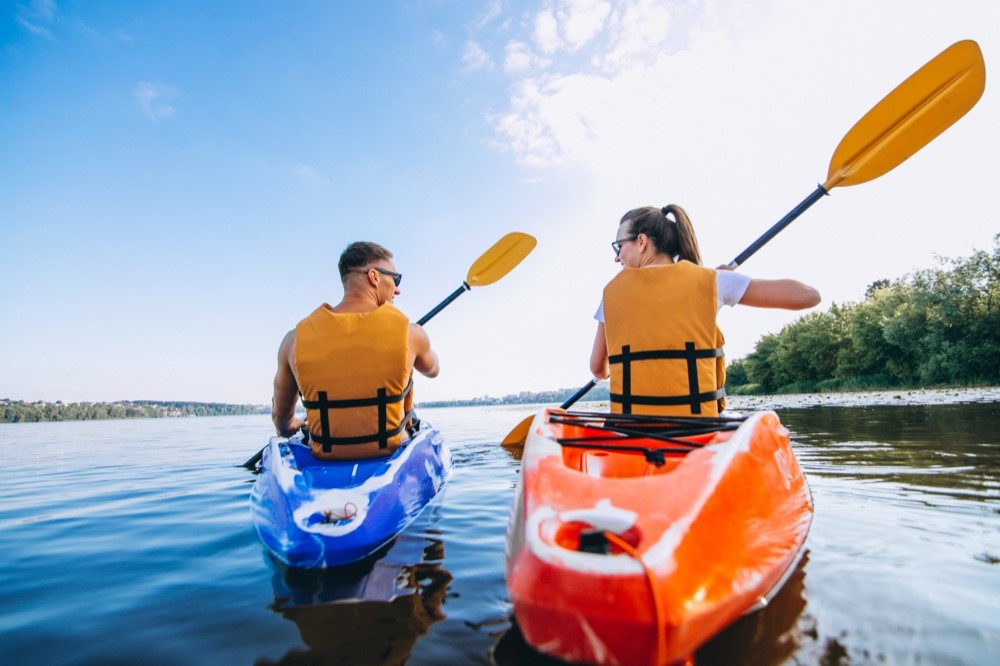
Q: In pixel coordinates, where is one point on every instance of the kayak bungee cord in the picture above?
(670, 430)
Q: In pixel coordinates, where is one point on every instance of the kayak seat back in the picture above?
(617, 465)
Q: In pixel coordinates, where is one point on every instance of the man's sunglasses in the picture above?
(396, 277)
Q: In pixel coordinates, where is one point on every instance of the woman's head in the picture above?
(668, 229)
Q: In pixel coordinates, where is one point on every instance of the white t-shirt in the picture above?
(729, 285)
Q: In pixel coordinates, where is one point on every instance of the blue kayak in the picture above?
(325, 513)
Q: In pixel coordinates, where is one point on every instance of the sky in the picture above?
(178, 178)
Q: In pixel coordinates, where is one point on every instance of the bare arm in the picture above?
(286, 391)
(426, 360)
(599, 355)
(784, 294)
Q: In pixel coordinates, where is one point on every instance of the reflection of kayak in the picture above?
(319, 513)
(634, 539)
(369, 612)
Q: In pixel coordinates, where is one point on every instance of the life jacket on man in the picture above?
(355, 381)
(664, 347)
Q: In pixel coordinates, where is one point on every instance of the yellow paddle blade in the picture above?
(500, 259)
(909, 117)
(519, 434)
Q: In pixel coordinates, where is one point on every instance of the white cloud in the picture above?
(493, 10)
(626, 91)
(639, 30)
(582, 20)
(546, 32)
(475, 58)
(556, 120)
(34, 14)
(153, 99)
(518, 57)
(570, 25)
(308, 173)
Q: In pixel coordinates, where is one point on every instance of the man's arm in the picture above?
(426, 360)
(286, 391)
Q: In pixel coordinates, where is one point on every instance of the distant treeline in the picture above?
(25, 412)
(523, 398)
(938, 326)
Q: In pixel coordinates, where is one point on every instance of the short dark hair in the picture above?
(359, 254)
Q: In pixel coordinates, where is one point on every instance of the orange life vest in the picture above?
(664, 347)
(355, 381)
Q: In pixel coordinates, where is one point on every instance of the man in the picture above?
(353, 364)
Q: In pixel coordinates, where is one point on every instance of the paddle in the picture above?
(907, 119)
(494, 264)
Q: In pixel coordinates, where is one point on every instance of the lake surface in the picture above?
(130, 542)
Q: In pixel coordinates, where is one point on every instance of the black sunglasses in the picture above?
(616, 245)
(396, 277)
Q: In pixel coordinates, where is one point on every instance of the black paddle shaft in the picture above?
(582, 391)
(443, 304)
(818, 194)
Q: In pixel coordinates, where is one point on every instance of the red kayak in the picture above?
(634, 539)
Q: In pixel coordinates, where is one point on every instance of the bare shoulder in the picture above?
(418, 336)
(287, 344)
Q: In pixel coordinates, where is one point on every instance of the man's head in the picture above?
(369, 264)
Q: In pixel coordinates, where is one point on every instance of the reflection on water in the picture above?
(944, 450)
(370, 612)
(906, 531)
(769, 636)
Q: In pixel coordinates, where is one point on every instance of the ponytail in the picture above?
(687, 242)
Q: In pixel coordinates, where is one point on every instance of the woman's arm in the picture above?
(784, 294)
(599, 355)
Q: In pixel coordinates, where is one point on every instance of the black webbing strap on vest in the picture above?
(382, 401)
(690, 354)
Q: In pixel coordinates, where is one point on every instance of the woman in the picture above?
(657, 336)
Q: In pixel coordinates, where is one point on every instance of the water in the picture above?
(130, 542)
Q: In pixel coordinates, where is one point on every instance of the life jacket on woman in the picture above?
(355, 381)
(664, 347)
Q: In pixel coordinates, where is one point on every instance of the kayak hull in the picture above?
(700, 535)
(312, 513)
